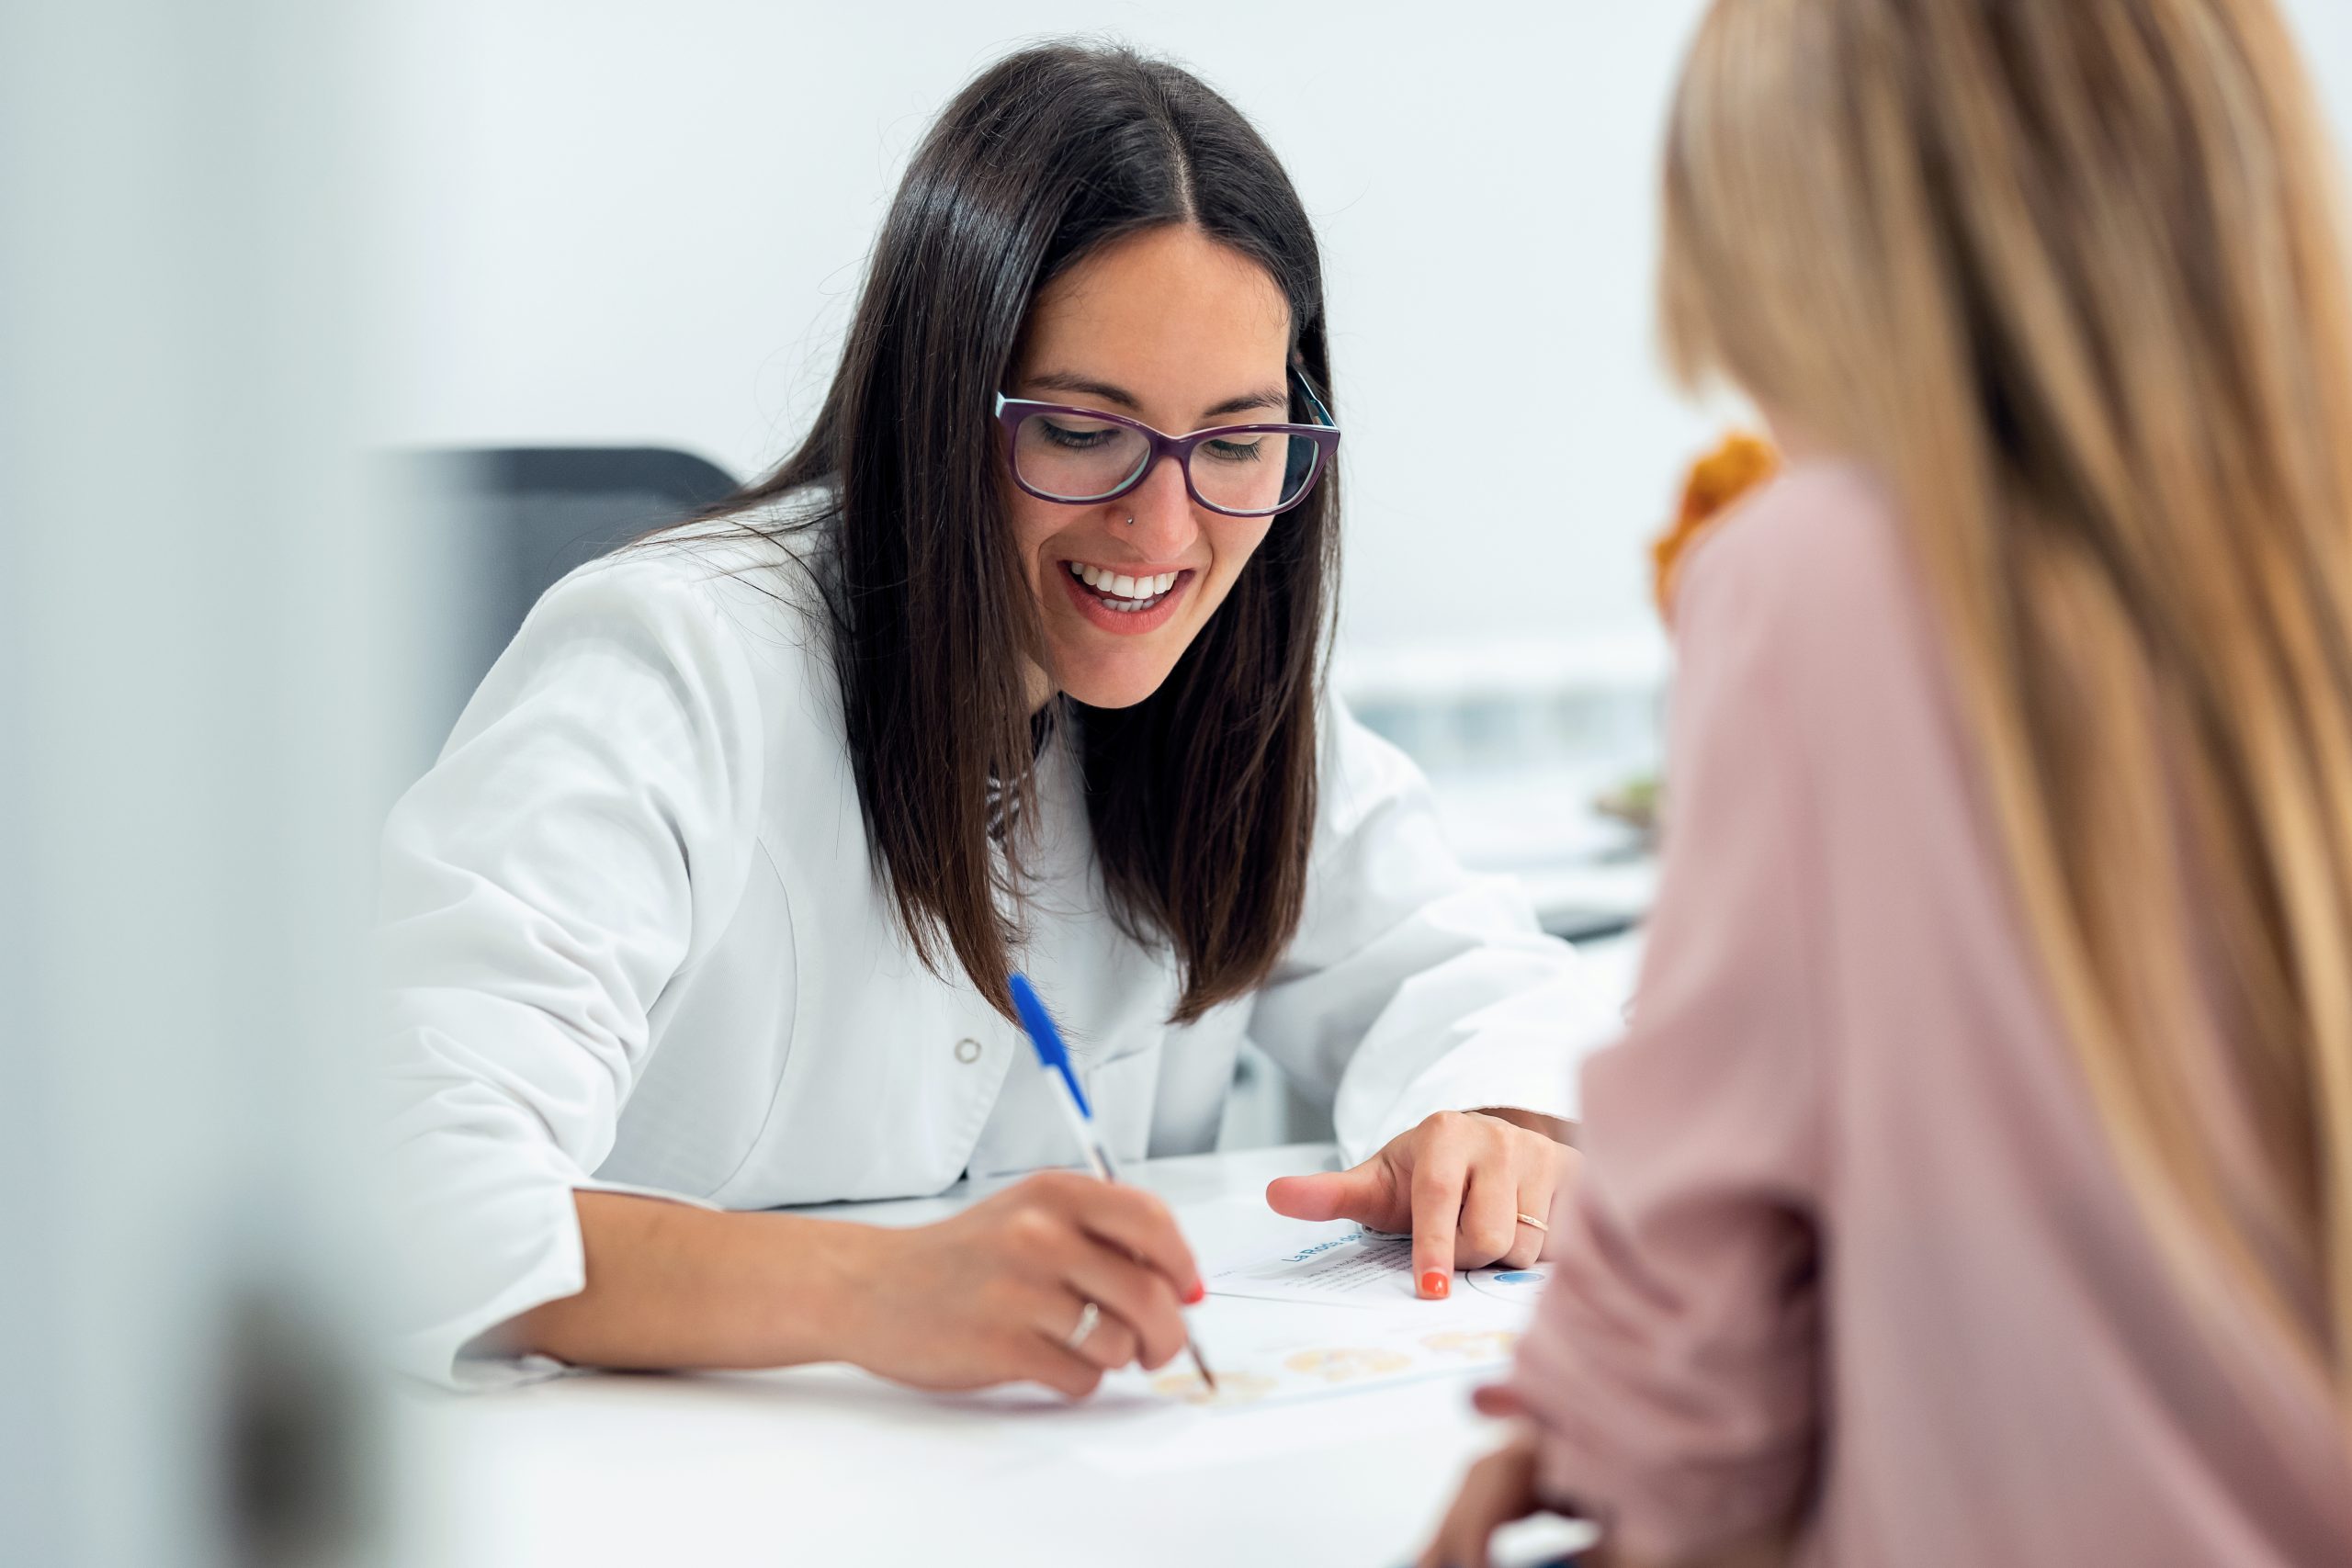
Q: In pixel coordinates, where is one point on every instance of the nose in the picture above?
(1165, 525)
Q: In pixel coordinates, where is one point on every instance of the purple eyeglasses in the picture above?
(1083, 457)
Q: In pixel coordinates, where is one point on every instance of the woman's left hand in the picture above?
(1498, 1489)
(1464, 1183)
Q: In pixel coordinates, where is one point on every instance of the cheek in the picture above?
(1034, 522)
(1236, 542)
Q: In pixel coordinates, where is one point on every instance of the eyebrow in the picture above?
(1064, 382)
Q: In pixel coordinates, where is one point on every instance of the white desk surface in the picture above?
(822, 1465)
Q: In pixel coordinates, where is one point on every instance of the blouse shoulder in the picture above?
(1819, 537)
(1813, 577)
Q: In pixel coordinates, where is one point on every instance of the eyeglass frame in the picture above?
(1013, 412)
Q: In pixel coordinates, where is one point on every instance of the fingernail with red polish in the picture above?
(1200, 1293)
(1435, 1285)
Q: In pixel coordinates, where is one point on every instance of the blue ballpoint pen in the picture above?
(1055, 1059)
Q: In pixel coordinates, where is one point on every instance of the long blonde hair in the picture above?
(2071, 274)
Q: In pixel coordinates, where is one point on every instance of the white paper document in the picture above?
(1315, 1342)
(1320, 1359)
(1357, 1268)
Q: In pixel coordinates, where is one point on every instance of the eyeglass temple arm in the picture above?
(1322, 413)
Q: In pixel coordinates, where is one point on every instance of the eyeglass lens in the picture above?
(1070, 458)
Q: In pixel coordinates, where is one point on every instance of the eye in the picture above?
(1236, 449)
(1074, 438)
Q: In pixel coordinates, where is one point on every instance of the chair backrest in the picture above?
(515, 519)
(559, 507)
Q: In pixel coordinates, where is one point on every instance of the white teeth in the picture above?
(1125, 595)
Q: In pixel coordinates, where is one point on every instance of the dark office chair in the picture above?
(514, 519)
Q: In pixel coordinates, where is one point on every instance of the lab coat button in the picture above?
(967, 1051)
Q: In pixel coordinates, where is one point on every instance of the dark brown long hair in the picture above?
(1202, 797)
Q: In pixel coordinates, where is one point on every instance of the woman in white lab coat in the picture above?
(709, 904)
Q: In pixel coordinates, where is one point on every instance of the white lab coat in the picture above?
(634, 940)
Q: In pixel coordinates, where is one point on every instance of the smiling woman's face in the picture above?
(1175, 330)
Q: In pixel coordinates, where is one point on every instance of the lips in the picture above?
(1124, 604)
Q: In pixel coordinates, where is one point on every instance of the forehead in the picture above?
(1168, 313)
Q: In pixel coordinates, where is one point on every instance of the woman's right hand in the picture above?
(992, 1294)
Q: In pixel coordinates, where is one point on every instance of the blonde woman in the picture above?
(1975, 1184)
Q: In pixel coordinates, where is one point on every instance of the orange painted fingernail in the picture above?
(1436, 1285)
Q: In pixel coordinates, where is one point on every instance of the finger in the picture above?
(1137, 1223)
(1139, 1297)
(1112, 1345)
(1527, 1242)
(1497, 1399)
(1566, 1178)
(1445, 1549)
(1540, 1189)
(1461, 1539)
(1365, 1193)
(1440, 1174)
(1496, 1492)
(1490, 1223)
(1109, 1345)
(1040, 1358)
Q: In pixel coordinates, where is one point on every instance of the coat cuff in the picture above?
(1494, 1070)
(1520, 1053)
(448, 1351)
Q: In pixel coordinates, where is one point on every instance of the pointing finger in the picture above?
(1439, 1179)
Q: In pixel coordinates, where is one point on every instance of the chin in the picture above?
(1114, 688)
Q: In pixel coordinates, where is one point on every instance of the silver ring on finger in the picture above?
(1537, 1225)
(1088, 1316)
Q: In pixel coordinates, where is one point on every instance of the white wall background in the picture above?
(613, 221)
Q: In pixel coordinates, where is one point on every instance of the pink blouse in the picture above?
(1850, 1253)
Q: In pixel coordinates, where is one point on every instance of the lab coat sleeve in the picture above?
(592, 815)
(1413, 986)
